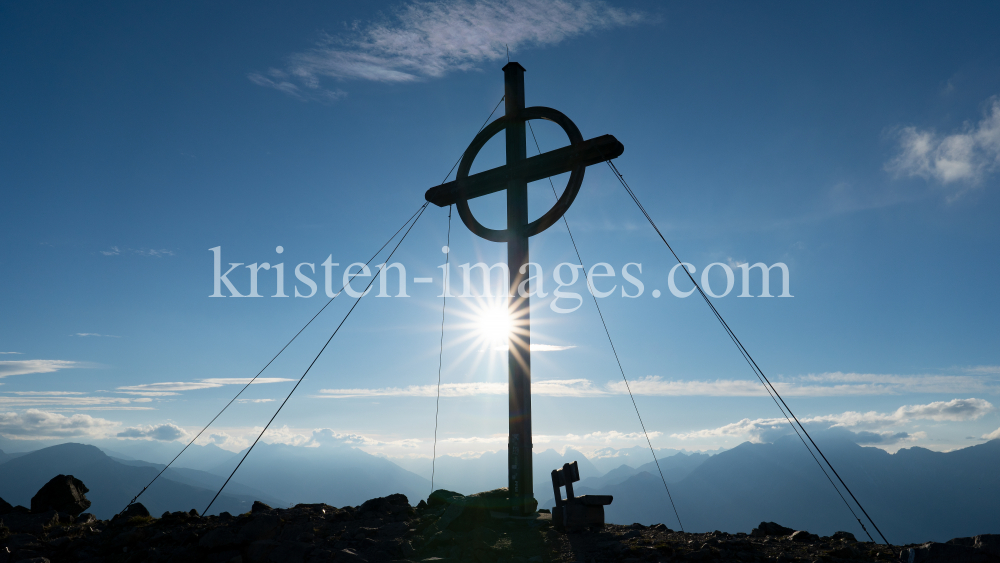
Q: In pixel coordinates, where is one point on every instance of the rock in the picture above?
(289, 552)
(86, 518)
(260, 527)
(259, 507)
(5, 506)
(770, 529)
(804, 536)
(218, 538)
(987, 543)
(258, 551)
(133, 510)
(392, 504)
(64, 493)
(443, 497)
(350, 555)
(31, 523)
(843, 536)
(933, 552)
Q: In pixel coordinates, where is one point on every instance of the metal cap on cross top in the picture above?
(514, 178)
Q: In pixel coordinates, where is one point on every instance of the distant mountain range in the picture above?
(914, 495)
(112, 484)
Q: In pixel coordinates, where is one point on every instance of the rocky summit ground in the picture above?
(448, 528)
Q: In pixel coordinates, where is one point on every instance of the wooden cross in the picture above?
(514, 178)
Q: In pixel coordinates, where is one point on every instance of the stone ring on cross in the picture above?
(553, 214)
(573, 159)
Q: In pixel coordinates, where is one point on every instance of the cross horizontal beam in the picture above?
(532, 169)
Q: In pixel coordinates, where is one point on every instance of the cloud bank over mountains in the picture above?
(870, 426)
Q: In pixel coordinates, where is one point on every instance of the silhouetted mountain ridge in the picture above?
(112, 484)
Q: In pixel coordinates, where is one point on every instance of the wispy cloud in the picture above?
(983, 370)
(159, 432)
(23, 367)
(86, 334)
(67, 399)
(833, 384)
(35, 424)
(116, 251)
(424, 40)
(959, 160)
(173, 387)
(10, 352)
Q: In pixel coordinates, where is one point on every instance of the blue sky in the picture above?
(856, 143)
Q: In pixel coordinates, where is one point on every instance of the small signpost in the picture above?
(514, 178)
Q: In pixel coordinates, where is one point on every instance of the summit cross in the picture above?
(514, 178)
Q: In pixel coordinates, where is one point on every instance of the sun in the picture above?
(493, 324)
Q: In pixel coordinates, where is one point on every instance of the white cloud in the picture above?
(813, 385)
(966, 157)
(225, 441)
(327, 436)
(766, 429)
(279, 80)
(23, 367)
(65, 400)
(255, 401)
(46, 393)
(554, 387)
(84, 334)
(36, 424)
(115, 251)
(171, 387)
(955, 410)
(431, 39)
(992, 435)
(154, 252)
(10, 352)
(447, 390)
(160, 432)
(983, 370)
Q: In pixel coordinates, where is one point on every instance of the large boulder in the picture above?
(933, 552)
(443, 497)
(133, 510)
(5, 506)
(63, 493)
(770, 529)
(987, 543)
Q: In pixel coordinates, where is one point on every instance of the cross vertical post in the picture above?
(519, 477)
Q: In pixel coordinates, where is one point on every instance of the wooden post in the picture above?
(519, 477)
